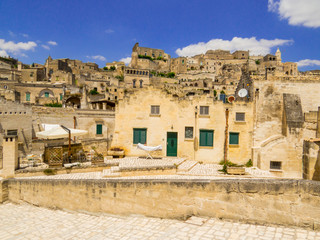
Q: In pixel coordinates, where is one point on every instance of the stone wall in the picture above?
(3, 191)
(285, 202)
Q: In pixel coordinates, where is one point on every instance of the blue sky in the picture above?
(105, 31)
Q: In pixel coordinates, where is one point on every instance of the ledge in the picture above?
(234, 146)
(154, 115)
(204, 116)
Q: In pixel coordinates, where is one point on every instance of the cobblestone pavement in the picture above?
(29, 222)
(186, 170)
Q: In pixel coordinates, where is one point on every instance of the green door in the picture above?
(172, 144)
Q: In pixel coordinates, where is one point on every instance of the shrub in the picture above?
(257, 62)
(171, 75)
(94, 92)
(53, 105)
(249, 163)
(145, 57)
(50, 171)
(106, 68)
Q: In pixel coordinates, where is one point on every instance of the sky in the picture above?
(103, 31)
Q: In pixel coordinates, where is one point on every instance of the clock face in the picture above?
(242, 92)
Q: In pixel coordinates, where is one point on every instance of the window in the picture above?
(206, 138)
(234, 138)
(275, 165)
(28, 97)
(155, 109)
(240, 117)
(133, 83)
(13, 132)
(204, 110)
(99, 129)
(139, 135)
(61, 96)
(46, 94)
(188, 132)
(141, 81)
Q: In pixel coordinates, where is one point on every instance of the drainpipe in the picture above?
(195, 142)
(226, 138)
(74, 126)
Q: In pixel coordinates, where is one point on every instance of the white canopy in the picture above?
(58, 132)
(146, 148)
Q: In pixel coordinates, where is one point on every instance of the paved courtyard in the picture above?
(29, 222)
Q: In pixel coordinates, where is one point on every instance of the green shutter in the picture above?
(234, 138)
(27, 96)
(206, 138)
(139, 135)
(99, 128)
(210, 138)
(143, 136)
(46, 94)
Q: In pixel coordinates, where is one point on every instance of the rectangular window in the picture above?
(99, 129)
(12, 132)
(275, 165)
(204, 110)
(240, 117)
(206, 138)
(28, 97)
(139, 135)
(188, 132)
(61, 96)
(234, 138)
(46, 94)
(155, 109)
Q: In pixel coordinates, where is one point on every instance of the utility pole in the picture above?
(226, 137)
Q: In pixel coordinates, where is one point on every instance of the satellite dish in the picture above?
(231, 99)
(243, 92)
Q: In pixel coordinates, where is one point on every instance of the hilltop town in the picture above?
(207, 108)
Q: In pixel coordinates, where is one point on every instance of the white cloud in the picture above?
(12, 34)
(256, 47)
(53, 43)
(45, 47)
(25, 35)
(97, 57)
(126, 60)
(308, 62)
(109, 30)
(3, 53)
(16, 48)
(298, 12)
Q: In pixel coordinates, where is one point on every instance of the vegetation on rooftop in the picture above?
(161, 74)
(94, 92)
(53, 105)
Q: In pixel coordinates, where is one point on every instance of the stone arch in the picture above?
(44, 91)
(73, 102)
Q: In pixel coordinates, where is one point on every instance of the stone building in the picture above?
(191, 127)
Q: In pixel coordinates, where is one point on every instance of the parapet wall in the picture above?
(285, 202)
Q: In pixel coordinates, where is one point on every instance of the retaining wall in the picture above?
(285, 202)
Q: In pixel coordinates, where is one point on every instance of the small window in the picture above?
(139, 135)
(275, 165)
(141, 82)
(46, 94)
(133, 83)
(115, 89)
(61, 96)
(204, 110)
(234, 138)
(188, 132)
(155, 110)
(240, 117)
(99, 129)
(28, 97)
(12, 132)
(206, 138)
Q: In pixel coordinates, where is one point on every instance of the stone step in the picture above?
(108, 173)
(187, 166)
